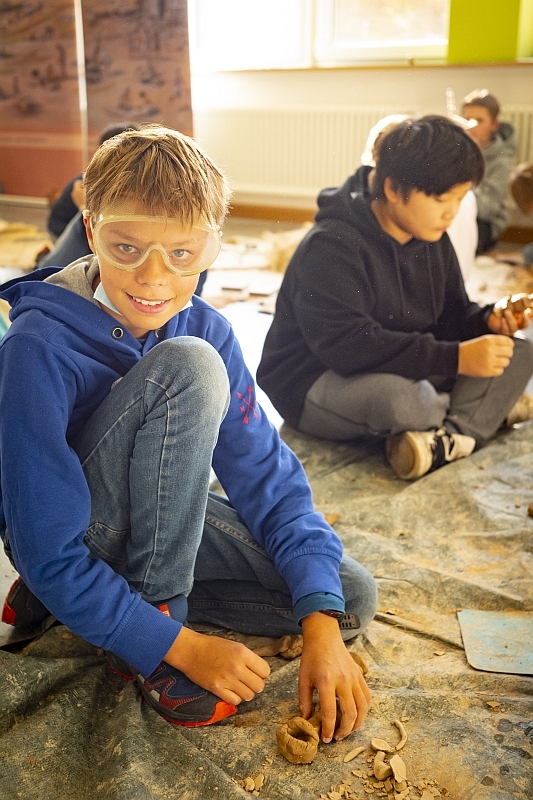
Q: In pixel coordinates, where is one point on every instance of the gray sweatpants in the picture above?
(382, 404)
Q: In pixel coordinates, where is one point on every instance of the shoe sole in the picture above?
(222, 711)
(407, 457)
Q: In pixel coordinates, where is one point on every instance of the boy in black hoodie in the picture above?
(374, 332)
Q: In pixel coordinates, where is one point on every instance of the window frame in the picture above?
(328, 53)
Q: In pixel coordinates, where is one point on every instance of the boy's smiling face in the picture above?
(148, 296)
(421, 216)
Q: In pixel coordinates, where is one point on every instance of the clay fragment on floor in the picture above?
(381, 744)
(382, 770)
(398, 768)
(353, 754)
(403, 734)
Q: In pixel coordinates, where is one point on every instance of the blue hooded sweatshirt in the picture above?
(58, 361)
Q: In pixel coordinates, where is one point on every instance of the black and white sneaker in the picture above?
(415, 453)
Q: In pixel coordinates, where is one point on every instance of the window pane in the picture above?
(364, 23)
(249, 34)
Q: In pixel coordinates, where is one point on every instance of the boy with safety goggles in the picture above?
(125, 388)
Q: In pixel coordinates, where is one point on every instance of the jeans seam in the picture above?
(234, 533)
(145, 578)
(198, 605)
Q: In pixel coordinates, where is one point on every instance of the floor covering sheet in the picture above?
(459, 538)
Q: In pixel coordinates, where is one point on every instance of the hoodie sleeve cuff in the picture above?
(146, 638)
(317, 602)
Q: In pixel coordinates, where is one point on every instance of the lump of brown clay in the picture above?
(516, 303)
(381, 744)
(360, 663)
(381, 769)
(298, 740)
(287, 646)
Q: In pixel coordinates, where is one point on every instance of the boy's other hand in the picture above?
(485, 357)
(328, 667)
(227, 669)
(509, 322)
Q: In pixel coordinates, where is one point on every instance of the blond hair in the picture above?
(159, 170)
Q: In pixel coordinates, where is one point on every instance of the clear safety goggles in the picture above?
(126, 240)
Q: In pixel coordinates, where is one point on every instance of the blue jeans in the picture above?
(146, 454)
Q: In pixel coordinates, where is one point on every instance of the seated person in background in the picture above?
(125, 389)
(72, 198)
(521, 186)
(65, 220)
(497, 141)
(374, 332)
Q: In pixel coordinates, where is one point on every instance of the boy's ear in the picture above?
(89, 232)
(393, 195)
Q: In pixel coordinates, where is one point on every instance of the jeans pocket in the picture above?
(107, 544)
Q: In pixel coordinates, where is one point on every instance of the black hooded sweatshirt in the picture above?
(356, 301)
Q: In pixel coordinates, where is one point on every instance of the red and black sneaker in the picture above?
(21, 608)
(176, 698)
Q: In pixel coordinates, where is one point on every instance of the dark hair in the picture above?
(431, 154)
(481, 97)
(115, 129)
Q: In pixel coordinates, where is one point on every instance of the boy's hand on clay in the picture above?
(485, 357)
(507, 322)
(227, 669)
(328, 667)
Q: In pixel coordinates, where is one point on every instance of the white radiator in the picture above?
(285, 156)
(522, 119)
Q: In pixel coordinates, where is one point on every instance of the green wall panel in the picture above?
(489, 30)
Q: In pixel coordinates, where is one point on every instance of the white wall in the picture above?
(424, 88)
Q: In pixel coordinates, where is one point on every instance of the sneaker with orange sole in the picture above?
(175, 698)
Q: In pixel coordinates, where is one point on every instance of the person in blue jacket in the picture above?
(118, 390)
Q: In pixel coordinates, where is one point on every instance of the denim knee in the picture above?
(184, 361)
(360, 590)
